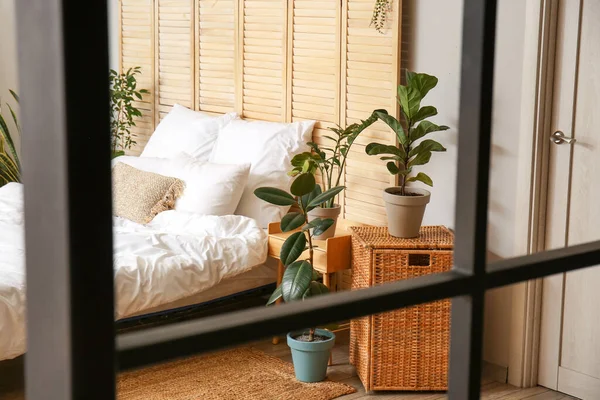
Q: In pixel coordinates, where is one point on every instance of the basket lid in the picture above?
(431, 237)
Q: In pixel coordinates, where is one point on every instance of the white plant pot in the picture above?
(333, 213)
(405, 213)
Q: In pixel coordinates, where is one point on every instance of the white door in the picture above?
(570, 335)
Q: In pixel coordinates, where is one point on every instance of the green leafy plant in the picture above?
(123, 92)
(380, 10)
(300, 280)
(408, 154)
(10, 166)
(330, 161)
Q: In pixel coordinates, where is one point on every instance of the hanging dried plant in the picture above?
(382, 7)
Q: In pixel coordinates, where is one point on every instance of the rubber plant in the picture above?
(10, 166)
(300, 280)
(123, 94)
(401, 159)
(330, 159)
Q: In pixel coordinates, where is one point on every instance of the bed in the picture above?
(211, 244)
(170, 262)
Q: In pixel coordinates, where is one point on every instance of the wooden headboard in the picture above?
(274, 60)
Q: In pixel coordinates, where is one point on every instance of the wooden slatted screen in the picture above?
(216, 54)
(137, 49)
(370, 75)
(175, 62)
(313, 63)
(264, 53)
(274, 60)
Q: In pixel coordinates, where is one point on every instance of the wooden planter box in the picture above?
(406, 349)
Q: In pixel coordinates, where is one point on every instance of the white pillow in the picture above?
(210, 189)
(269, 148)
(183, 130)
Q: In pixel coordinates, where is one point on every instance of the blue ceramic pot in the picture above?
(311, 358)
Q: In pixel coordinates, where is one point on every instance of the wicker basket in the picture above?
(406, 349)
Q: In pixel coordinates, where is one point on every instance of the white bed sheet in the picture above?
(257, 277)
(176, 256)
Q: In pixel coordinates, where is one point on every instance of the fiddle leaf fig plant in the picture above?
(329, 160)
(411, 151)
(300, 280)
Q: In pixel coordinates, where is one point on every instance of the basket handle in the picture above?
(419, 260)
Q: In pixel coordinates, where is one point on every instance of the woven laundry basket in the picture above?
(405, 349)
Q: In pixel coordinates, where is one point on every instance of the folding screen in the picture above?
(137, 49)
(273, 60)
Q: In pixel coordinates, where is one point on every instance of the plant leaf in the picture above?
(410, 100)
(5, 133)
(420, 159)
(322, 226)
(307, 198)
(14, 117)
(292, 248)
(275, 196)
(312, 224)
(117, 153)
(392, 167)
(315, 289)
(296, 280)
(316, 275)
(9, 169)
(424, 128)
(392, 123)
(374, 149)
(303, 184)
(323, 197)
(426, 145)
(425, 112)
(292, 221)
(423, 83)
(277, 294)
(421, 177)
(15, 96)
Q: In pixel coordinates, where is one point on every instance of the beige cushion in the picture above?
(139, 195)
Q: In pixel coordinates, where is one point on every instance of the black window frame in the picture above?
(72, 351)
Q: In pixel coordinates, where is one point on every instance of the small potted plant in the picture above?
(405, 206)
(123, 92)
(310, 348)
(330, 162)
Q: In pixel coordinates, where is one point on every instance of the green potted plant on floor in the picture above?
(10, 167)
(310, 348)
(405, 205)
(329, 161)
(123, 94)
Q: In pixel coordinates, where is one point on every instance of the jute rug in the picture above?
(244, 374)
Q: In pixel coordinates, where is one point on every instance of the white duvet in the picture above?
(175, 256)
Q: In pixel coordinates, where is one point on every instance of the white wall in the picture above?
(8, 60)
(434, 47)
(113, 33)
(434, 41)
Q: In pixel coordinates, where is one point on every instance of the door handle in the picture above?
(559, 138)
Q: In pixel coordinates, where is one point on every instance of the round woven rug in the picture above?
(245, 373)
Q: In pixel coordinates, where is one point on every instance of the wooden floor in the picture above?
(342, 371)
(11, 379)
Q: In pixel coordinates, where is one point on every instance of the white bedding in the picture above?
(175, 256)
